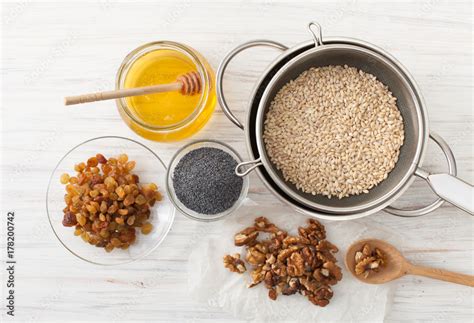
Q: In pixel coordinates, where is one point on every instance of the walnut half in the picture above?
(368, 260)
(234, 263)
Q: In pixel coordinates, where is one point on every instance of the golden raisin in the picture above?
(115, 242)
(91, 209)
(112, 226)
(130, 165)
(80, 219)
(85, 236)
(104, 233)
(158, 196)
(64, 178)
(131, 220)
(101, 159)
(104, 192)
(129, 200)
(79, 167)
(147, 227)
(106, 169)
(122, 158)
(140, 199)
(148, 192)
(109, 180)
(92, 162)
(122, 211)
(140, 219)
(112, 209)
(120, 192)
(127, 235)
(103, 207)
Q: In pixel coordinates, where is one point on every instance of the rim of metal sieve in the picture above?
(255, 96)
(365, 201)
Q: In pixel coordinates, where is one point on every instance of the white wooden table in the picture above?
(50, 50)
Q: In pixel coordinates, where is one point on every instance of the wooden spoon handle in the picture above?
(441, 274)
(107, 95)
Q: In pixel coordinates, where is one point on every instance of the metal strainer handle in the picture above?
(242, 172)
(316, 31)
(223, 66)
(462, 200)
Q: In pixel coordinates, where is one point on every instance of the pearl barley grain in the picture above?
(334, 131)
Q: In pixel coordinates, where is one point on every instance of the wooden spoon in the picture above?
(188, 84)
(397, 266)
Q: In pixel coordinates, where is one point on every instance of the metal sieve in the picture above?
(369, 58)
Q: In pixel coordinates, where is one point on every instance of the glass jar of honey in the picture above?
(165, 116)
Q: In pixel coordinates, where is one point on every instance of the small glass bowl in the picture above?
(149, 168)
(170, 188)
(187, 127)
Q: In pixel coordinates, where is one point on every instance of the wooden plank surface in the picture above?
(54, 49)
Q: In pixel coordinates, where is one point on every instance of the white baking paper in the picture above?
(218, 288)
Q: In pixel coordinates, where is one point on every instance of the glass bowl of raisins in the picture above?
(106, 201)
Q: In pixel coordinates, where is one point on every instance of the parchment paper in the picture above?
(217, 287)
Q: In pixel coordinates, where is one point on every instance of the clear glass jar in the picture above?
(165, 116)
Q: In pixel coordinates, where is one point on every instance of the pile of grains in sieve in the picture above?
(204, 181)
(334, 131)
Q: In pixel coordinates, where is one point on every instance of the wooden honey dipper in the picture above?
(187, 84)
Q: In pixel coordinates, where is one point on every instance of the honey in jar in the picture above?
(165, 116)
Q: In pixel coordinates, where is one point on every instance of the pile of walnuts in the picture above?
(287, 264)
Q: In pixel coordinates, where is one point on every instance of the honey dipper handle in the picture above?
(441, 274)
(107, 95)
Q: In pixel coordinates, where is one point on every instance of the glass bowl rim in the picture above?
(195, 215)
(50, 181)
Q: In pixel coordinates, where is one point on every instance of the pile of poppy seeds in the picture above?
(204, 181)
